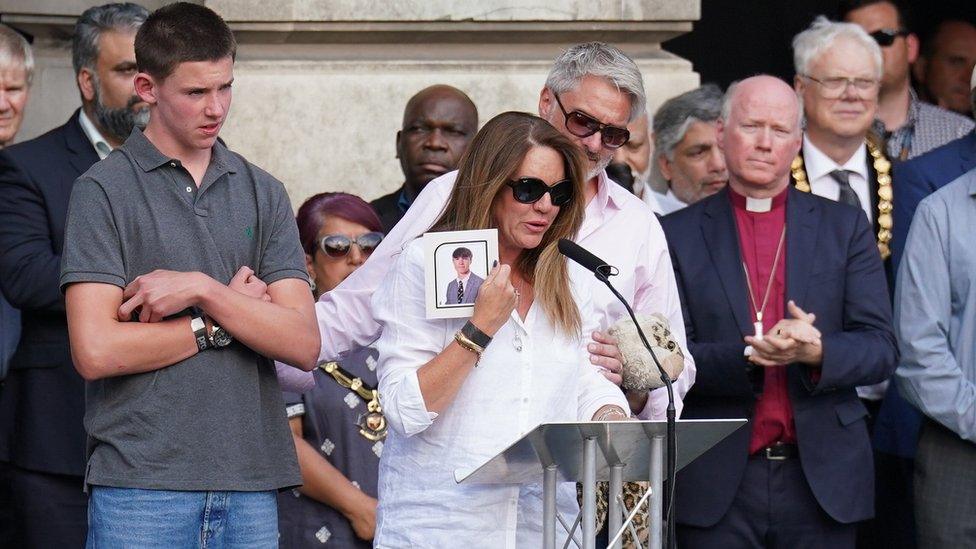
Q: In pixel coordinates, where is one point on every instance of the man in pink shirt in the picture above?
(592, 92)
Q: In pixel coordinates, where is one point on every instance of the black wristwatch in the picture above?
(199, 327)
(219, 337)
(476, 336)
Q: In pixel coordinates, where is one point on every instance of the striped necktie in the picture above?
(847, 194)
(460, 291)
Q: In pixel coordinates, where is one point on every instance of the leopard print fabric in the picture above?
(632, 493)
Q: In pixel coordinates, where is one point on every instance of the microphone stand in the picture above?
(603, 274)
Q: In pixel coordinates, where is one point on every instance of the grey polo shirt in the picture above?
(215, 421)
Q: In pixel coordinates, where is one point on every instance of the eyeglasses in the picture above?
(886, 37)
(528, 190)
(584, 125)
(338, 245)
(834, 86)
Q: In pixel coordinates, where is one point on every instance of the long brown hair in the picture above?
(491, 160)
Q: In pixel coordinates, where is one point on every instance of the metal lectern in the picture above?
(591, 451)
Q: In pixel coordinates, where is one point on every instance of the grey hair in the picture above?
(602, 60)
(821, 35)
(126, 17)
(14, 49)
(672, 120)
(676, 115)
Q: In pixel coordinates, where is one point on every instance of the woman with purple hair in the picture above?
(338, 426)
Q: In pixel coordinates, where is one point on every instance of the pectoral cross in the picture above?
(758, 325)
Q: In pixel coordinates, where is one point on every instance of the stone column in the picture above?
(320, 85)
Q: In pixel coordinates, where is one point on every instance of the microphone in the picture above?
(589, 261)
(603, 272)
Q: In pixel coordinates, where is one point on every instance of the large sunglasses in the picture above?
(584, 125)
(886, 37)
(338, 245)
(528, 190)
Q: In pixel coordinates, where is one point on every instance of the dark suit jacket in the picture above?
(43, 403)
(9, 334)
(470, 291)
(897, 426)
(921, 176)
(833, 269)
(873, 192)
(388, 208)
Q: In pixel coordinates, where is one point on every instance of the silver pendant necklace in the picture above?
(758, 324)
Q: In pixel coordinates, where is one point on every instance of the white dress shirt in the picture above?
(617, 227)
(102, 148)
(530, 374)
(818, 167)
(649, 197)
(669, 202)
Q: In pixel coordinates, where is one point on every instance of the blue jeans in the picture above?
(132, 517)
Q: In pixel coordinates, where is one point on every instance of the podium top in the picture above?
(619, 443)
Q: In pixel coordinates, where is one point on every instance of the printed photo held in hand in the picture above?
(458, 262)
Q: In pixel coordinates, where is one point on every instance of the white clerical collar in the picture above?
(760, 205)
(102, 148)
(819, 164)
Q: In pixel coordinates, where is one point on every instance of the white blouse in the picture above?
(529, 374)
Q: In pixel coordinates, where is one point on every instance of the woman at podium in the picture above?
(458, 391)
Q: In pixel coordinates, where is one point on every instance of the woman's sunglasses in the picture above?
(528, 190)
(584, 125)
(338, 245)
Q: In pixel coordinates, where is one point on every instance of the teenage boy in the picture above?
(183, 278)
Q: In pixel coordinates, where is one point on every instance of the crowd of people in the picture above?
(188, 363)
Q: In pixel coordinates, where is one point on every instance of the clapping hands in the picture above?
(790, 340)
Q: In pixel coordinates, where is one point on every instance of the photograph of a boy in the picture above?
(463, 289)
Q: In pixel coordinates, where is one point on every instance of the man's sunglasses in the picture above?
(338, 245)
(886, 37)
(528, 190)
(584, 125)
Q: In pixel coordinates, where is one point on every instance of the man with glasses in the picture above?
(839, 74)
(910, 126)
(592, 93)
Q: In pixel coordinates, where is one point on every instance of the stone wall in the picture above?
(320, 85)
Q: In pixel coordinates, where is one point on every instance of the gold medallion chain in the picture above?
(885, 196)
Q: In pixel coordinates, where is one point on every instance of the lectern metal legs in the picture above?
(549, 508)
(589, 493)
(614, 514)
(657, 490)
